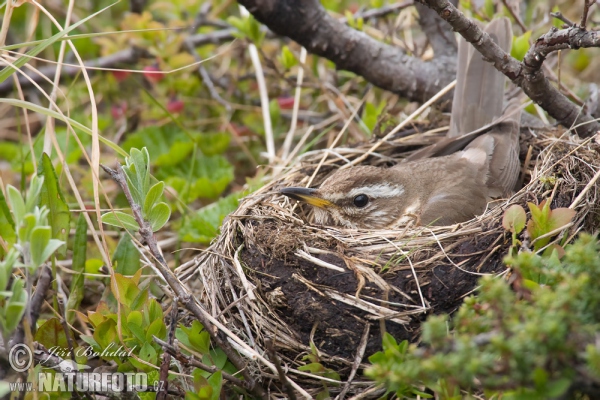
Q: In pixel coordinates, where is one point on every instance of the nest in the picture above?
(280, 283)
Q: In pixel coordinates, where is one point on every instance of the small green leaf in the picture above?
(126, 258)
(16, 305)
(136, 318)
(514, 219)
(287, 58)
(216, 381)
(52, 198)
(204, 225)
(78, 267)
(153, 195)
(560, 217)
(52, 334)
(159, 216)
(52, 246)
(40, 238)
(520, 46)
(16, 202)
(120, 219)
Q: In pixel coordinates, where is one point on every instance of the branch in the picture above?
(181, 292)
(385, 66)
(527, 74)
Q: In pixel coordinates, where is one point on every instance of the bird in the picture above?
(449, 182)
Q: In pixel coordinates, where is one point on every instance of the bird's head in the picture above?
(359, 197)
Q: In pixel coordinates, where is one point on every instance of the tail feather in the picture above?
(479, 93)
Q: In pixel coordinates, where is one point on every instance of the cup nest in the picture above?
(279, 283)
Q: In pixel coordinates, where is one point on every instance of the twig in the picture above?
(282, 377)
(586, 8)
(515, 16)
(209, 83)
(189, 360)
(166, 361)
(360, 352)
(188, 301)
(558, 15)
(380, 12)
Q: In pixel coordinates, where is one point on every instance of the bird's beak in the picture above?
(306, 195)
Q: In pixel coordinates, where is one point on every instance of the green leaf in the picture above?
(159, 216)
(157, 328)
(169, 144)
(557, 388)
(78, 267)
(152, 196)
(560, 217)
(514, 219)
(204, 225)
(106, 333)
(120, 219)
(52, 334)
(520, 46)
(16, 305)
(6, 216)
(371, 115)
(216, 381)
(6, 267)
(40, 238)
(206, 177)
(126, 258)
(287, 58)
(214, 143)
(194, 336)
(16, 202)
(32, 198)
(52, 197)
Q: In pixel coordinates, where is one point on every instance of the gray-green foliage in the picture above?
(34, 246)
(524, 339)
(137, 174)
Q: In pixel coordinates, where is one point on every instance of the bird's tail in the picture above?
(479, 93)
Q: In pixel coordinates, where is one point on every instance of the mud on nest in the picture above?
(273, 276)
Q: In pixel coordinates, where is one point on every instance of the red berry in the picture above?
(120, 75)
(241, 130)
(153, 73)
(285, 102)
(175, 106)
(118, 110)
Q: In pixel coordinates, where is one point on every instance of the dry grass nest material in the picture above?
(277, 281)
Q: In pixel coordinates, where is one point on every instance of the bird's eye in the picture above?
(361, 200)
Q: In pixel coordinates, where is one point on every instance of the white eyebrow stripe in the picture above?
(378, 191)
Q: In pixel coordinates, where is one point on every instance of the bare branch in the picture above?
(558, 15)
(181, 292)
(586, 8)
(387, 67)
